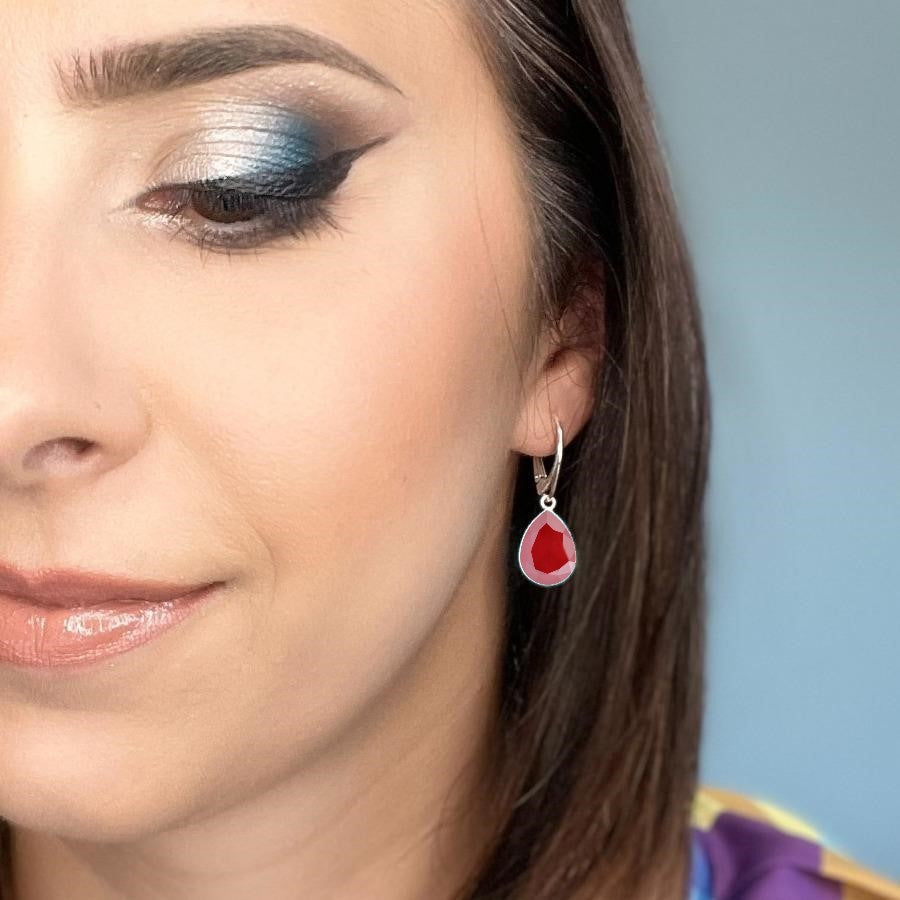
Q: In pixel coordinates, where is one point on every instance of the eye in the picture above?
(245, 212)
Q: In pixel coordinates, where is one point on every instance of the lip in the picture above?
(75, 588)
(66, 618)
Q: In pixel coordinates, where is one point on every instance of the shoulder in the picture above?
(745, 848)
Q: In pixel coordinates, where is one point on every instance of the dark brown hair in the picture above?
(597, 752)
(603, 675)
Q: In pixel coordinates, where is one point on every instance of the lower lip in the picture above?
(52, 636)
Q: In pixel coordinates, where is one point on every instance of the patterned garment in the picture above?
(747, 849)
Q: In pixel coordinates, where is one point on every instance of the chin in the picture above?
(86, 814)
(83, 790)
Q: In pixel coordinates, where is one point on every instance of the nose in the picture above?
(69, 409)
(59, 428)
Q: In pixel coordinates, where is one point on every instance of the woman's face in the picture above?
(327, 421)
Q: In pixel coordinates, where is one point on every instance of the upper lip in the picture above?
(70, 587)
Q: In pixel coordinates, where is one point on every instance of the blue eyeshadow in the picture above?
(291, 144)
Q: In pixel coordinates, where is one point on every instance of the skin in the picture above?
(333, 426)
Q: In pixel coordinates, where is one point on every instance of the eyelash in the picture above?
(292, 204)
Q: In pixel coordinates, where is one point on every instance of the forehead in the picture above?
(421, 46)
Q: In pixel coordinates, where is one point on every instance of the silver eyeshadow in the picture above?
(245, 139)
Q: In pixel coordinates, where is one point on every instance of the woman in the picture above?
(297, 299)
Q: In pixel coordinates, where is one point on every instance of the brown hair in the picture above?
(603, 677)
(596, 762)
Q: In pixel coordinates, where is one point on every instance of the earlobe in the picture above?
(565, 390)
(565, 385)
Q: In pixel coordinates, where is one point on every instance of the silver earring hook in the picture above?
(546, 484)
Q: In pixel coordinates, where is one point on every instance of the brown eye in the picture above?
(226, 206)
(244, 212)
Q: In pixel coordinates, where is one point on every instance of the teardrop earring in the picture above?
(547, 549)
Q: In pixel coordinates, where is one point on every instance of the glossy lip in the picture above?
(40, 636)
(78, 588)
(65, 617)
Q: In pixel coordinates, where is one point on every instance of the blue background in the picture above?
(780, 120)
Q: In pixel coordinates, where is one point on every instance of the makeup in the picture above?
(244, 140)
(257, 164)
(42, 635)
(249, 174)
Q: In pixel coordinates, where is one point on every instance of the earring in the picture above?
(547, 549)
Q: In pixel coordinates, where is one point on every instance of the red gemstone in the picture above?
(547, 550)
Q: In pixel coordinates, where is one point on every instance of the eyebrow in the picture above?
(194, 57)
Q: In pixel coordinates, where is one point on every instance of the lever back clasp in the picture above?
(546, 484)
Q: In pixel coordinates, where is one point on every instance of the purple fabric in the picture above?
(751, 860)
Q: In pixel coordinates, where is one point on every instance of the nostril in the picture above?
(60, 450)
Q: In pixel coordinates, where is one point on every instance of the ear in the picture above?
(565, 371)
